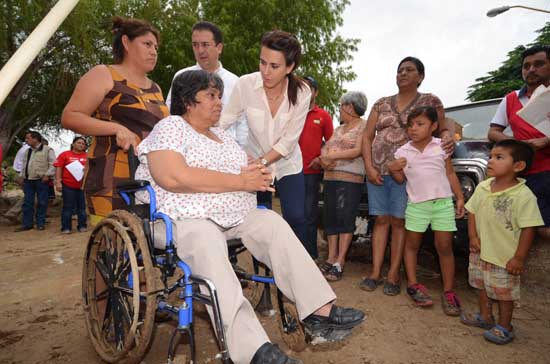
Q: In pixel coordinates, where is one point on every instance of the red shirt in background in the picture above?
(66, 158)
(318, 127)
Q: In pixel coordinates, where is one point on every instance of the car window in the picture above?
(474, 118)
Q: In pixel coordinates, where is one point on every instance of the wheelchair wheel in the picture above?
(119, 285)
(291, 328)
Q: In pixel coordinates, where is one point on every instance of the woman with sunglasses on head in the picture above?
(276, 103)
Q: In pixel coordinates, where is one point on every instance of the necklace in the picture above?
(274, 98)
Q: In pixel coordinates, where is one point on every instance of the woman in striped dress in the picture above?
(118, 105)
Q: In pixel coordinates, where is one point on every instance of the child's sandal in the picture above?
(475, 320)
(499, 335)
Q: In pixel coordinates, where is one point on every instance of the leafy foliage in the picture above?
(84, 40)
(508, 76)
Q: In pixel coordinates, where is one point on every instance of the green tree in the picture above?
(314, 22)
(84, 40)
(508, 76)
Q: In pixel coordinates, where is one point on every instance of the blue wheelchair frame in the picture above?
(169, 260)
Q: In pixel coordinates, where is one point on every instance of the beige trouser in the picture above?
(202, 245)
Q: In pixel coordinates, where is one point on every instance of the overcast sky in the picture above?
(456, 41)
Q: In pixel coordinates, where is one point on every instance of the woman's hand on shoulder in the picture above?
(447, 143)
(374, 176)
(256, 178)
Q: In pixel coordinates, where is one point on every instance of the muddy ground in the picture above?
(41, 319)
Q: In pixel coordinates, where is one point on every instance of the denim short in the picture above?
(388, 199)
(439, 213)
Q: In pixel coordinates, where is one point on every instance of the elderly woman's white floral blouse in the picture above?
(174, 133)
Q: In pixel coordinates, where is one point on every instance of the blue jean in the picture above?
(311, 212)
(73, 199)
(389, 199)
(39, 190)
(292, 196)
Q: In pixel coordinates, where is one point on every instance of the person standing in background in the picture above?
(37, 170)
(68, 180)
(317, 130)
(207, 43)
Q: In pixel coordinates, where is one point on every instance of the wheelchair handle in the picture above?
(133, 162)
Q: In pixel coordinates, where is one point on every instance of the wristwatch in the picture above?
(264, 162)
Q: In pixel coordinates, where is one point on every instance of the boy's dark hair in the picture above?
(428, 111)
(520, 152)
(211, 27)
(534, 50)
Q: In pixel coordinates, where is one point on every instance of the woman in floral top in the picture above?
(343, 181)
(202, 181)
(385, 132)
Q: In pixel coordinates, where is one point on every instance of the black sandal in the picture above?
(334, 274)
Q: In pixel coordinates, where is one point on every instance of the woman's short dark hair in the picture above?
(428, 111)
(78, 137)
(286, 43)
(187, 84)
(131, 28)
(418, 64)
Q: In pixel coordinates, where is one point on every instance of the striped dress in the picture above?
(138, 110)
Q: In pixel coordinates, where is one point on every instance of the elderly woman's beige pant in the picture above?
(202, 245)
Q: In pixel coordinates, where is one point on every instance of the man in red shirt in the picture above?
(68, 180)
(535, 70)
(318, 128)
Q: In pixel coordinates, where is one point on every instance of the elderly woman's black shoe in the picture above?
(271, 354)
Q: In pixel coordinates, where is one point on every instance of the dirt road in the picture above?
(41, 318)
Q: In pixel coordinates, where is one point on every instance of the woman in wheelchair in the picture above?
(201, 179)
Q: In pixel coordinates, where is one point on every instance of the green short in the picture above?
(439, 213)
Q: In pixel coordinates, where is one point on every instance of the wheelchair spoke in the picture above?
(119, 316)
(123, 270)
(102, 295)
(102, 267)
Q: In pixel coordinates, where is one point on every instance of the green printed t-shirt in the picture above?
(500, 216)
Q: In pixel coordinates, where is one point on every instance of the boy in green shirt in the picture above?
(503, 214)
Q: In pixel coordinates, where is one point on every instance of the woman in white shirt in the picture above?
(275, 102)
(202, 182)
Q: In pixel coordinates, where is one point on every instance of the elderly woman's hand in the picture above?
(256, 178)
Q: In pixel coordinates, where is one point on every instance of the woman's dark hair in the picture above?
(418, 63)
(428, 111)
(186, 85)
(131, 28)
(520, 152)
(79, 138)
(286, 43)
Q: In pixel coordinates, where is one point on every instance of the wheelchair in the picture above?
(127, 282)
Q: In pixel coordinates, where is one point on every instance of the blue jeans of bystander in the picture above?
(73, 199)
(39, 190)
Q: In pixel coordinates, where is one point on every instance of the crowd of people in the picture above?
(222, 144)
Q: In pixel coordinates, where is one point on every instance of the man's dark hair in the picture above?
(428, 111)
(35, 135)
(312, 82)
(520, 152)
(211, 27)
(186, 85)
(534, 50)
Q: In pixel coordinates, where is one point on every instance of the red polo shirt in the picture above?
(66, 158)
(318, 127)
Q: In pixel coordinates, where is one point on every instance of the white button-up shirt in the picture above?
(239, 130)
(264, 131)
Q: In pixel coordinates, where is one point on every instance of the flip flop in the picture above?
(370, 284)
(325, 267)
(499, 335)
(475, 320)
